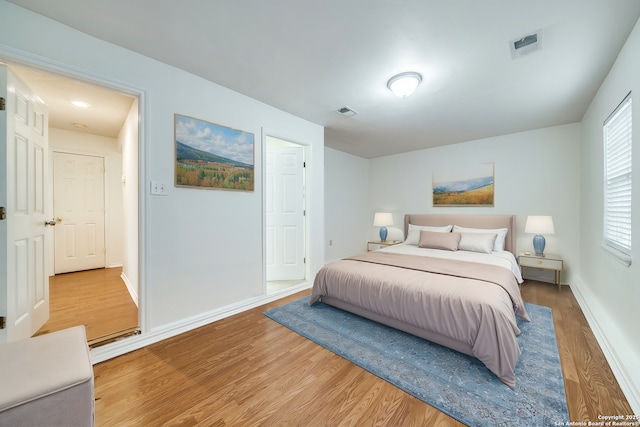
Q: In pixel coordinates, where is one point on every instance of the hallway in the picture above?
(97, 299)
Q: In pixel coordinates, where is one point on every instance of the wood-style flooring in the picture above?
(248, 370)
(97, 299)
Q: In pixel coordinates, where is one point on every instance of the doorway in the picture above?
(285, 212)
(104, 255)
(79, 211)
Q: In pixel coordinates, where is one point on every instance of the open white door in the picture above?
(24, 283)
(79, 209)
(285, 231)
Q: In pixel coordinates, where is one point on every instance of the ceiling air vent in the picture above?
(347, 111)
(526, 44)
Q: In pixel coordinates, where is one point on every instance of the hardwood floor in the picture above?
(248, 370)
(591, 388)
(97, 299)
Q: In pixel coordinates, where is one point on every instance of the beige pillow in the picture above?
(435, 240)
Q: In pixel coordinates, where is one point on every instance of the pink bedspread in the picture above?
(468, 302)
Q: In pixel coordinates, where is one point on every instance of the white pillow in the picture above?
(413, 234)
(498, 246)
(477, 242)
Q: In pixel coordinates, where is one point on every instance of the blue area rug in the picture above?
(456, 384)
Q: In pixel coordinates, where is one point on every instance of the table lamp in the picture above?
(382, 219)
(539, 225)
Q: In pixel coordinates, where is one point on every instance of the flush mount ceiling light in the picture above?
(404, 84)
(81, 104)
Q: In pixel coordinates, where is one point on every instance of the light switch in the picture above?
(158, 188)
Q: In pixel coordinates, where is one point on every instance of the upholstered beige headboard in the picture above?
(471, 221)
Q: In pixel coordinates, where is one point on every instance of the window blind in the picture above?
(617, 199)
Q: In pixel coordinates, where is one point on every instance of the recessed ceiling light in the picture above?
(81, 104)
(404, 84)
(79, 125)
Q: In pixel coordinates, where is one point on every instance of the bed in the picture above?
(453, 281)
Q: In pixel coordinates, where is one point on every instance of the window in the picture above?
(617, 188)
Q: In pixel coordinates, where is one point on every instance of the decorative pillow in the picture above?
(439, 240)
(498, 246)
(477, 242)
(413, 233)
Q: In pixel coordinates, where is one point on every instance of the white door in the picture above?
(24, 284)
(285, 212)
(79, 209)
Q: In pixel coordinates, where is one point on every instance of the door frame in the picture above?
(305, 147)
(26, 59)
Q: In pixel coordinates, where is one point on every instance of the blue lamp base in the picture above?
(383, 234)
(538, 244)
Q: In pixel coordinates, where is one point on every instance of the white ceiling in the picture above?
(107, 108)
(311, 58)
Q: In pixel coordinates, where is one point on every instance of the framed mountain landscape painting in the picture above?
(464, 185)
(211, 156)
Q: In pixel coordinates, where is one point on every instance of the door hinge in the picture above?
(3, 322)
(2, 104)
(304, 164)
(3, 213)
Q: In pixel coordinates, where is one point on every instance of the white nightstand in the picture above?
(375, 245)
(546, 262)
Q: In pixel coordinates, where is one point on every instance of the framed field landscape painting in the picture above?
(212, 156)
(464, 185)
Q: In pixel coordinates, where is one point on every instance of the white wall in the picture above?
(128, 139)
(610, 289)
(81, 143)
(202, 250)
(536, 173)
(347, 215)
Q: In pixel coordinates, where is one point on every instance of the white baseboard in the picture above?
(620, 355)
(132, 291)
(135, 342)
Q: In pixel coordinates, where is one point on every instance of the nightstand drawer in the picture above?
(549, 264)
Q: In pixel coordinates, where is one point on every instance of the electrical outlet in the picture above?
(158, 189)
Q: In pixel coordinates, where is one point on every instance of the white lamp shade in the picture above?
(382, 219)
(539, 224)
(404, 84)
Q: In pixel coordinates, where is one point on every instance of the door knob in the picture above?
(50, 223)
